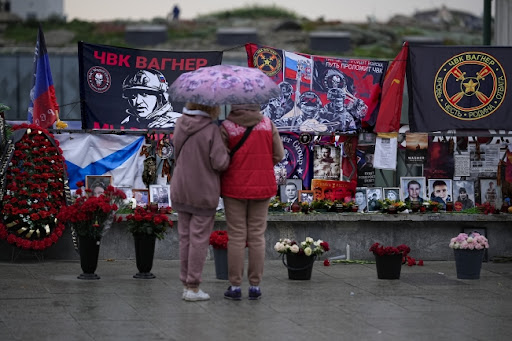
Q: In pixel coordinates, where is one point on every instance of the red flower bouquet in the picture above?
(219, 239)
(89, 214)
(380, 250)
(33, 189)
(144, 221)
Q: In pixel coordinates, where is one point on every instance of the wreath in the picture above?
(33, 183)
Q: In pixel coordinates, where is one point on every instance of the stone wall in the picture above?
(428, 236)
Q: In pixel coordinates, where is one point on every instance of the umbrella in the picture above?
(224, 84)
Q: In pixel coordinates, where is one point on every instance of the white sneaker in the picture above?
(184, 293)
(190, 295)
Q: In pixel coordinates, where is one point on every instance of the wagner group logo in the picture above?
(470, 86)
(268, 61)
(99, 79)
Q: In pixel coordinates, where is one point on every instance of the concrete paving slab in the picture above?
(45, 301)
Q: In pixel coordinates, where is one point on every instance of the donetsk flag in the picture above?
(43, 108)
(459, 87)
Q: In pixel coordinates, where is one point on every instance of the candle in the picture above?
(348, 252)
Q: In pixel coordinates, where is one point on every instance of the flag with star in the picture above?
(459, 87)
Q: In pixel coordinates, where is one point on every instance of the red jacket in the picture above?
(250, 174)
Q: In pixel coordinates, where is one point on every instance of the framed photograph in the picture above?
(289, 192)
(392, 193)
(490, 193)
(373, 195)
(161, 194)
(440, 190)
(306, 196)
(141, 196)
(413, 188)
(97, 183)
(360, 199)
(463, 194)
(326, 164)
(332, 190)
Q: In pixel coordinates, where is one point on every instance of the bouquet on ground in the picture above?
(308, 247)
(88, 215)
(219, 239)
(144, 221)
(472, 241)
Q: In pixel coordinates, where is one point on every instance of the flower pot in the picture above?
(388, 266)
(468, 263)
(221, 263)
(299, 266)
(89, 249)
(144, 253)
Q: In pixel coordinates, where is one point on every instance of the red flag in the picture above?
(390, 110)
(43, 108)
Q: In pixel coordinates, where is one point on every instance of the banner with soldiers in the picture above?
(320, 94)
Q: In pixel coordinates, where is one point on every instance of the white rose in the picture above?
(294, 248)
(309, 240)
(308, 251)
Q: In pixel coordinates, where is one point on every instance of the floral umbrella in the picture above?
(224, 84)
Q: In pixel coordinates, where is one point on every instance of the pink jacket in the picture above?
(201, 156)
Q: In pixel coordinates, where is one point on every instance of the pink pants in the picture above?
(246, 221)
(194, 234)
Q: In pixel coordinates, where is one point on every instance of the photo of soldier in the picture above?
(148, 101)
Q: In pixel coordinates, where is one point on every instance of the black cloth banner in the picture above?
(122, 88)
(459, 87)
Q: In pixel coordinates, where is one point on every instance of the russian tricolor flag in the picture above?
(291, 66)
(43, 108)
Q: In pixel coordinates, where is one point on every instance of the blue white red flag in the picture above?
(115, 155)
(43, 108)
(292, 64)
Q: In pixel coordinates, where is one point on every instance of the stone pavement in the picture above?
(46, 301)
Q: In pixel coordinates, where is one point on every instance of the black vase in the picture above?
(144, 253)
(468, 263)
(221, 263)
(299, 266)
(388, 266)
(89, 249)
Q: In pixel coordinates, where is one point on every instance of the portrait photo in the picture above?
(326, 164)
(373, 195)
(413, 188)
(306, 196)
(160, 194)
(490, 192)
(392, 193)
(141, 196)
(463, 194)
(97, 183)
(440, 190)
(289, 192)
(360, 199)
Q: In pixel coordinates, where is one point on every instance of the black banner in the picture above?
(123, 88)
(459, 87)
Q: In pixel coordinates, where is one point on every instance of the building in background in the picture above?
(37, 10)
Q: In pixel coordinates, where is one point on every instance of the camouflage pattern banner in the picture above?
(459, 87)
(123, 88)
(319, 94)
